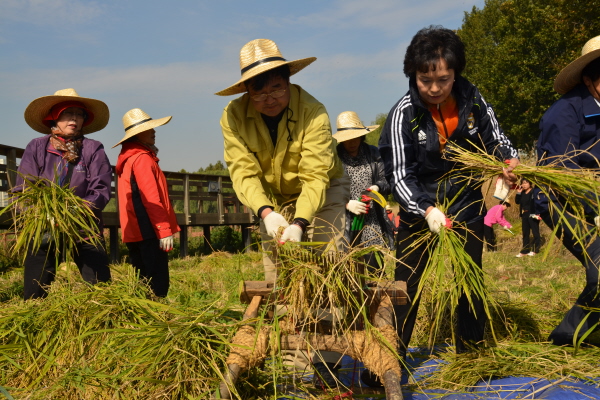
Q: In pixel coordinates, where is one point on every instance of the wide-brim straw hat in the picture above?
(258, 56)
(349, 126)
(137, 121)
(39, 108)
(570, 75)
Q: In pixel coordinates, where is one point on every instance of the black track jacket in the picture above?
(410, 149)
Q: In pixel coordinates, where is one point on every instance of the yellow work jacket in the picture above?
(267, 175)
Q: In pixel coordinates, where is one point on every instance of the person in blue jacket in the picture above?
(570, 130)
(440, 108)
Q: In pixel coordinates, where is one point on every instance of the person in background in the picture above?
(440, 108)
(66, 156)
(570, 129)
(279, 150)
(395, 220)
(148, 221)
(530, 221)
(363, 165)
(494, 216)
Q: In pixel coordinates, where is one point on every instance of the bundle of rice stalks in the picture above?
(571, 191)
(537, 360)
(309, 282)
(47, 214)
(110, 341)
(450, 273)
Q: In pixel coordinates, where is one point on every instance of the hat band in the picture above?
(263, 61)
(137, 123)
(353, 129)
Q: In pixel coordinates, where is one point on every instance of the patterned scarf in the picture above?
(70, 145)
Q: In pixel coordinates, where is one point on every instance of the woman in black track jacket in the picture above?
(440, 109)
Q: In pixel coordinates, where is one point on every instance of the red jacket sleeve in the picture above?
(152, 185)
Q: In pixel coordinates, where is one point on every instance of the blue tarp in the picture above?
(503, 388)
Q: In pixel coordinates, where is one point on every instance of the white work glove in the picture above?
(597, 221)
(292, 233)
(166, 243)
(272, 223)
(356, 207)
(374, 188)
(436, 219)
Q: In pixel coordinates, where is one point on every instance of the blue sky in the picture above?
(169, 57)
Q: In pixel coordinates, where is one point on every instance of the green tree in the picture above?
(218, 168)
(373, 137)
(515, 49)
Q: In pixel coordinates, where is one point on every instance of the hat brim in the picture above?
(144, 127)
(39, 108)
(239, 87)
(353, 133)
(570, 76)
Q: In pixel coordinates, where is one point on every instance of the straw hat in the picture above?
(37, 111)
(570, 76)
(349, 127)
(258, 56)
(137, 121)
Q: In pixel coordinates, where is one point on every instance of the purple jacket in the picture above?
(496, 216)
(92, 176)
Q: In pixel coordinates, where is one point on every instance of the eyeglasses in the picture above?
(73, 115)
(275, 94)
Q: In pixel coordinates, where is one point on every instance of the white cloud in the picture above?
(390, 16)
(48, 12)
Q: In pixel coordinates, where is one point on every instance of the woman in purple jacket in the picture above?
(66, 156)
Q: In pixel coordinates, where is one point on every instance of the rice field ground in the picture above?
(116, 341)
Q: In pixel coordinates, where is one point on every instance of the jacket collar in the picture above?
(590, 105)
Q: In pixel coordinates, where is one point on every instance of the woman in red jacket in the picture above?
(147, 217)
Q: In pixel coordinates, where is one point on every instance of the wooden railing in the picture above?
(208, 200)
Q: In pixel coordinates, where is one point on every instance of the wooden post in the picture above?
(220, 207)
(247, 237)
(183, 235)
(233, 370)
(385, 317)
(183, 241)
(207, 243)
(11, 168)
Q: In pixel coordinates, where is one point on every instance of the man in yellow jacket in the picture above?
(279, 150)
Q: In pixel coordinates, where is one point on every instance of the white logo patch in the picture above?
(422, 137)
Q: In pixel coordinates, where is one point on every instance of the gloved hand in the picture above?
(273, 221)
(166, 243)
(373, 188)
(292, 233)
(436, 219)
(597, 221)
(356, 207)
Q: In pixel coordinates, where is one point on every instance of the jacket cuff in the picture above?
(263, 208)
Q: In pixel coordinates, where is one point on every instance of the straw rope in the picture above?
(249, 348)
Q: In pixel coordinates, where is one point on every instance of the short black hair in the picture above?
(259, 81)
(428, 46)
(592, 70)
(505, 204)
